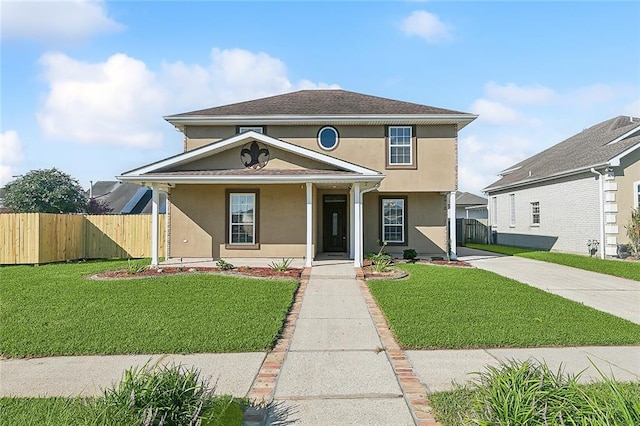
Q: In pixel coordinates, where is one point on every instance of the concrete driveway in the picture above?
(617, 296)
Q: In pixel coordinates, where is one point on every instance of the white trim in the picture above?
(249, 179)
(626, 135)
(615, 161)
(635, 193)
(231, 223)
(352, 222)
(335, 132)
(512, 210)
(410, 145)
(357, 258)
(453, 237)
(154, 224)
(308, 260)
(404, 219)
(460, 120)
(238, 139)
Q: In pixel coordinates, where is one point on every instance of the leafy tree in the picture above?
(633, 232)
(45, 191)
(95, 206)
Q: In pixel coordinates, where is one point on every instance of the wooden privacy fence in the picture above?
(472, 231)
(34, 238)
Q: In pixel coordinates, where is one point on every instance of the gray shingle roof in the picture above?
(591, 147)
(118, 194)
(469, 199)
(320, 102)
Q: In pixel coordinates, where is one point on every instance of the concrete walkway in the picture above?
(617, 296)
(335, 371)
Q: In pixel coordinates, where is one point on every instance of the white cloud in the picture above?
(10, 155)
(55, 21)
(427, 26)
(115, 102)
(121, 101)
(494, 112)
(514, 94)
(632, 109)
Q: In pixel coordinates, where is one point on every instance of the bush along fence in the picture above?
(35, 238)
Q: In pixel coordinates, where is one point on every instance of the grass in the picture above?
(529, 393)
(444, 307)
(630, 270)
(54, 310)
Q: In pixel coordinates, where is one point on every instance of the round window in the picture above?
(328, 138)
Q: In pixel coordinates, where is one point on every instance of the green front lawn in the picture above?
(55, 310)
(445, 307)
(626, 269)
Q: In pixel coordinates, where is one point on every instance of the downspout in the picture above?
(601, 194)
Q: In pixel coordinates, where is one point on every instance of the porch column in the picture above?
(309, 224)
(452, 226)
(154, 224)
(357, 252)
(352, 223)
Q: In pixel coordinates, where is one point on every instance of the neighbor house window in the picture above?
(535, 213)
(636, 194)
(512, 210)
(494, 211)
(256, 129)
(400, 146)
(394, 223)
(242, 208)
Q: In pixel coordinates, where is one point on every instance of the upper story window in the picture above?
(401, 146)
(328, 138)
(257, 129)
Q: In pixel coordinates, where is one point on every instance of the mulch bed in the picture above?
(392, 273)
(261, 272)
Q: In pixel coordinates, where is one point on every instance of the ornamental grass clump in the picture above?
(280, 266)
(172, 396)
(380, 260)
(530, 393)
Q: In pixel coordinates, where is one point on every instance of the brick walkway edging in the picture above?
(414, 392)
(263, 386)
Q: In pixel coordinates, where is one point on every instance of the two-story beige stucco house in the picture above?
(309, 172)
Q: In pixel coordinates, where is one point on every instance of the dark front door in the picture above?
(334, 223)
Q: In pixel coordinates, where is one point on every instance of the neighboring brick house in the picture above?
(577, 192)
(310, 172)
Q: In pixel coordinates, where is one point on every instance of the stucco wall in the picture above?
(569, 215)
(624, 196)
(426, 223)
(198, 222)
(436, 153)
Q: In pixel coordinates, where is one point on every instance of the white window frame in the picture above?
(257, 129)
(494, 211)
(409, 144)
(232, 223)
(335, 132)
(512, 210)
(534, 205)
(402, 225)
(636, 193)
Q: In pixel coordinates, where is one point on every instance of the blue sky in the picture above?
(84, 85)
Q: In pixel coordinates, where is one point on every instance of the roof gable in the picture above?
(243, 138)
(597, 146)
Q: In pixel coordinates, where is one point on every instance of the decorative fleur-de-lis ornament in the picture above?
(253, 156)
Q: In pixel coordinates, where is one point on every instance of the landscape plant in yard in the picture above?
(530, 393)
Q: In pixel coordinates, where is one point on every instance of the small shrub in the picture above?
(135, 267)
(409, 254)
(633, 232)
(280, 266)
(380, 260)
(223, 265)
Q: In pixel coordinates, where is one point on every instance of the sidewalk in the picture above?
(617, 296)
